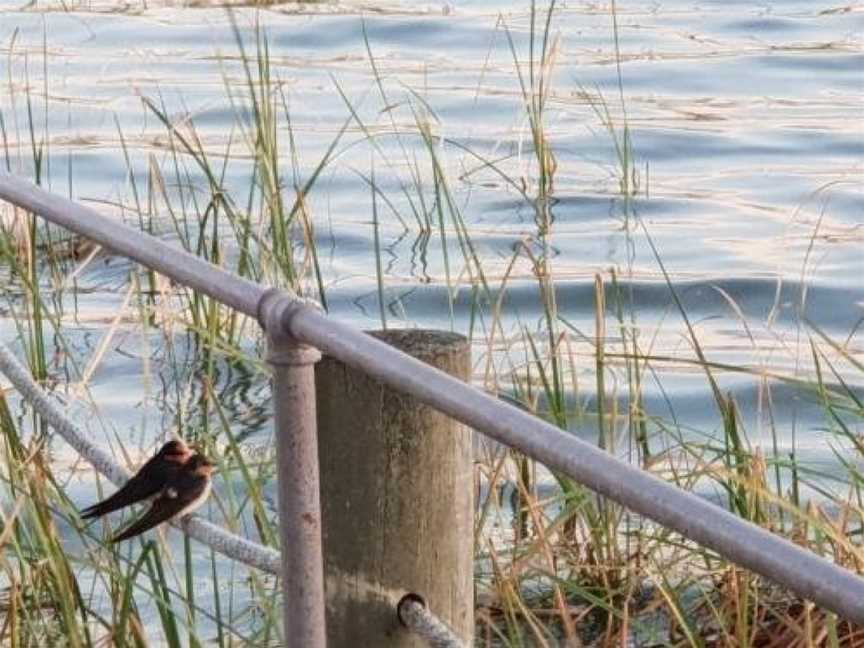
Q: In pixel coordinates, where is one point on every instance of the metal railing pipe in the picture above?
(798, 569)
(293, 366)
(169, 260)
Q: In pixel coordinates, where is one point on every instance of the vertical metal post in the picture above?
(297, 474)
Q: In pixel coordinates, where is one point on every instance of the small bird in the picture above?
(182, 493)
(147, 482)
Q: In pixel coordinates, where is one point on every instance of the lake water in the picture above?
(748, 152)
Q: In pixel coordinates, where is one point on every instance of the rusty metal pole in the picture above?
(293, 366)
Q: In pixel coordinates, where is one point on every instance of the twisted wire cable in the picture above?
(416, 617)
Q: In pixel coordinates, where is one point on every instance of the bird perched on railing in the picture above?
(177, 479)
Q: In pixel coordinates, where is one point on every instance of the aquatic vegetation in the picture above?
(553, 560)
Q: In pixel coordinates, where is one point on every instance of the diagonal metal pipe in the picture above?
(746, 544)
(172, 261)
(742, 542)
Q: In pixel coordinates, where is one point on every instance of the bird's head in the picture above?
(200, 465)
(175, 450)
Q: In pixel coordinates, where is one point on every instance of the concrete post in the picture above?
(396, 485)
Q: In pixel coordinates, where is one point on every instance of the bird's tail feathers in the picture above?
(142, 524)
(96, 510)
(101, 508)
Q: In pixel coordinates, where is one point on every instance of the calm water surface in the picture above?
(746, 124)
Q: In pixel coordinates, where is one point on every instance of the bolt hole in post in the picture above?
(293, 367)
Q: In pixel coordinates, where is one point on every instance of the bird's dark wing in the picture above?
(174, 500)
(170, 502)
(147, 482)
(136, 489)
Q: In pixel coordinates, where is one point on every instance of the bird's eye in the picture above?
(171, 492)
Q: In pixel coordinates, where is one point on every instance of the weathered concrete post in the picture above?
(396, 497)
